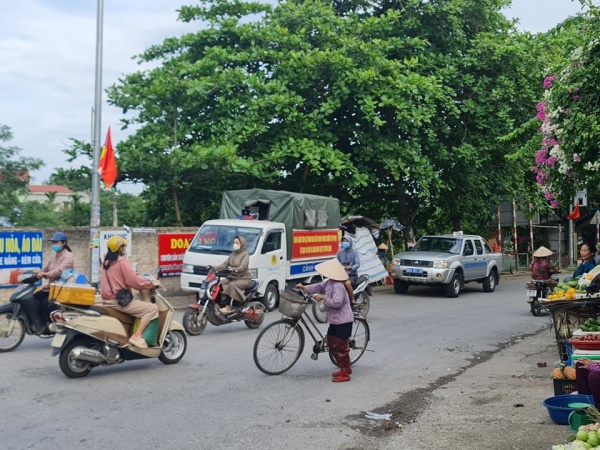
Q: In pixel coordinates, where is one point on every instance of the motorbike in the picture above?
(207, 307)
(362, 296)
(15, 322)
(537, 289)
(87, 337)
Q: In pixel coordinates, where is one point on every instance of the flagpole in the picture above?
(95, 213)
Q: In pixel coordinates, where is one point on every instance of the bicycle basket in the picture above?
(292, 304)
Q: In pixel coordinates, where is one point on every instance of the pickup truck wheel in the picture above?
(400, 287)
(271, 297)
(489, 282)
(454, 287)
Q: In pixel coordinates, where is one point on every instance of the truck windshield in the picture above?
(438, 244)
(218, 239)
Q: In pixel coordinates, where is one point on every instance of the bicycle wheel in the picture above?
(359, 339)
(278, 347)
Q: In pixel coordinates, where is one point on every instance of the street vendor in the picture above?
(587, 252)
(542, 267)
(588, 378)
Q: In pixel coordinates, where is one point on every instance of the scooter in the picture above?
(207, 307)
(15, 322)
(537, 289)
(362, 296)
(87, 337)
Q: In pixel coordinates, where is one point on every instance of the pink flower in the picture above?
(554, 204)
(576, 157)
(548, 81)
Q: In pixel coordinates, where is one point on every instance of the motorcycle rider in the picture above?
(122, 276)
(542, 267)
(350, 260)
(39, 309)
(239, 276)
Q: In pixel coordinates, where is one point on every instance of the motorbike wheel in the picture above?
(174, 347)
(536, 308)
(194, 322)
(12, 332)
(255, 324)
(319, 312)
(363, 303)
(69, 365)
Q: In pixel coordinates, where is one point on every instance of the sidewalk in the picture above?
(495, 404)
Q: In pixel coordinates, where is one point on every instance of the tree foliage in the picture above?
(14, 174)
(396, 108)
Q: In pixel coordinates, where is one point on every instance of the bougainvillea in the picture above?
(568, 159)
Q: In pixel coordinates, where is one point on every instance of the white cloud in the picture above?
(47, 69)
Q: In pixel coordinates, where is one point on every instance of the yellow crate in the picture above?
(73, 294)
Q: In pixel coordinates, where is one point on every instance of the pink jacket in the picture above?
(336, 300)
(122, 276)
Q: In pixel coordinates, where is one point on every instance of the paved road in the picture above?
(215, 398)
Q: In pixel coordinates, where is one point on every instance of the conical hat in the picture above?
(382, 247)
(332, 269)
(542, 252)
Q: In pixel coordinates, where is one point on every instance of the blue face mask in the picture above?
(57, 248)
(346, 244)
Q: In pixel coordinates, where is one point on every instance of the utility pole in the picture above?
(95, 214)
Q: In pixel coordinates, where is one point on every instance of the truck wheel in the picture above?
(271, 297)
(489, 282)
(400, 287)
(454, 287)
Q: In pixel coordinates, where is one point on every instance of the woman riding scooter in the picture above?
(117, 275)
(39, 308)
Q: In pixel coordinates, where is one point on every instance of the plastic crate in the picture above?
(562, 387)
(73, 294)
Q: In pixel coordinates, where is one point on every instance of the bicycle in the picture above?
(279, 345)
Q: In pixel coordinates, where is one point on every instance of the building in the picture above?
(62, 195)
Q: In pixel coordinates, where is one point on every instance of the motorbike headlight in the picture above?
(187, 268)
(440, 264)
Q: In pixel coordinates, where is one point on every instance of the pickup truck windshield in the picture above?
(438, 244)
(218, 239)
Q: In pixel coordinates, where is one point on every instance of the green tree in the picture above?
(14, 174)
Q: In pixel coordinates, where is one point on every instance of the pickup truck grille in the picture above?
(415, 263)
(200, 270)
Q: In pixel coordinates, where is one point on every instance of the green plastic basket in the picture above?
(150, 334)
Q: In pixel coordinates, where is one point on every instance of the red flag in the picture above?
(107, 166)
(575, 214)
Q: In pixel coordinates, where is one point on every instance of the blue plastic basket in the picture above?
(558, 408)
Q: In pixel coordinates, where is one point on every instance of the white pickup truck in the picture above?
(449, 260)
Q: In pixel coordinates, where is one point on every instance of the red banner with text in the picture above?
(171, 247)
(315, 243)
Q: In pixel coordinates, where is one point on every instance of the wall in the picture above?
(144, 255)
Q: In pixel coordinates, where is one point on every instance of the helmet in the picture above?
(115, 243)
(59, 236)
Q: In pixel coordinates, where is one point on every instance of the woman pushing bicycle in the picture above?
(332, 292)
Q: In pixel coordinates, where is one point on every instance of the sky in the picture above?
(48, 55)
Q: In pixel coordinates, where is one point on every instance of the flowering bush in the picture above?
(568, 159)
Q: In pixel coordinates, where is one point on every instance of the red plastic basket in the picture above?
(585, 345)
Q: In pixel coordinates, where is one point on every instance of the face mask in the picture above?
(236, 246)
(346, 244)
(57, 248)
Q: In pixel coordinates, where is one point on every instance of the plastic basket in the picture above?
(563, 387)
(292, 304)
(150, 334)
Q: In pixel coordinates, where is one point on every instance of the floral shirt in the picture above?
(336, 300)
(63, 260)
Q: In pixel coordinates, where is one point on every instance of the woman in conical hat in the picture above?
(334, 296)
(542, 267)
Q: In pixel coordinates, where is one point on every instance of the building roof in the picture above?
(43, 188)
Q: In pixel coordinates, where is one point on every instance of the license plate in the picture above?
(58, 340)
(411, 270)
(532, 293)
